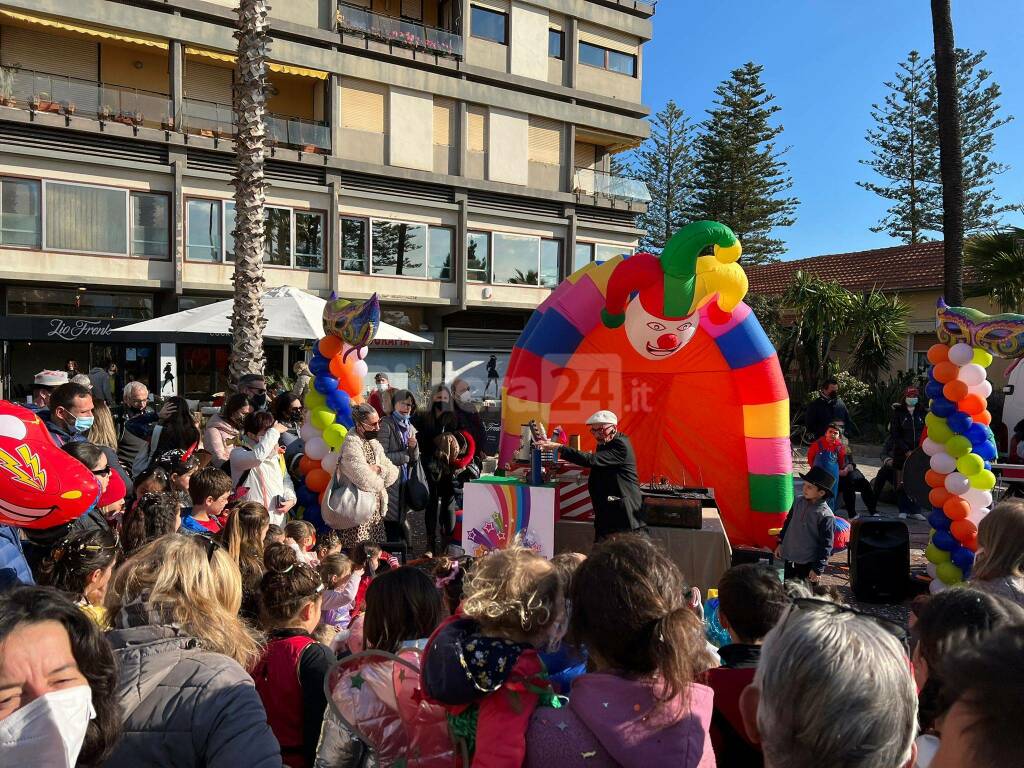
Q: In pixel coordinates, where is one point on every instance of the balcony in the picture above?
(208, 118)
(43, 92)
(601, 184)
(408, 34)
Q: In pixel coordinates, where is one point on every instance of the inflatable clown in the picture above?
(667, 343)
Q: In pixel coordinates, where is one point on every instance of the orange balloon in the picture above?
(934, 479)
(964, 530)
(938, 353)
(358, 399)
(307, 465)
(329, 346)
(350, 381)
(956, 508)
(971, 543)
(955, 391)
(317, 480)
(337, 367)
(945, 372)
(937, 497)
(985, 418)
(972, 405)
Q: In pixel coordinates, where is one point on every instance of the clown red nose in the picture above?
(668, 341)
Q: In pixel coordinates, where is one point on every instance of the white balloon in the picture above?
(307, 432)
(932, 569)
(961, 353)
(957, 483)
(361, 368)
(942, 462)
(329, 462)
(977, 515)
(984, 389)
(936, 586)
(971, 374)
(931, 447)
(977, 498)
(316, 448)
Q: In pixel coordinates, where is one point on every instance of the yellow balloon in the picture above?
(981, 357)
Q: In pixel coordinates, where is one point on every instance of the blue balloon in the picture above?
(303, 495)
(945, 540)
(960, 422)
(319, 365)
(933, 390)
(338, 400)
(987, 451)
(976, 433)
(345, 419)
(988, 465)
(963, 559)
(325, 384)
(943, 407)
(937, 519)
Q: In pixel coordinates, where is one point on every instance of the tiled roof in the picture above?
(903, 267)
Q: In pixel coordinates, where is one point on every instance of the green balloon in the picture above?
(334, 435)
(984, 480)
(969, 465)
(936, 555)
(949, 573)
(958, 446)
(314, 400)
(322, 418)
(938, 428)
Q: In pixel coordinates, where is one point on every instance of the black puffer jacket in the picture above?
(905, 428)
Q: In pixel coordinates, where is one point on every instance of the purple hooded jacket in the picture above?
(614, 721)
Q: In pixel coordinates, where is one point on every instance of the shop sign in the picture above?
(73, 330)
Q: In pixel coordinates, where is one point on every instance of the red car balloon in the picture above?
(40, 485)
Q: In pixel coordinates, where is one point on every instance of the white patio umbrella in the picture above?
(291, 314)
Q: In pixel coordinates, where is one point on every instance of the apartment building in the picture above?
(451, 155)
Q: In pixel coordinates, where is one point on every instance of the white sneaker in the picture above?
(903, 515)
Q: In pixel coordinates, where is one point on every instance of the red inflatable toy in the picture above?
(40, 485)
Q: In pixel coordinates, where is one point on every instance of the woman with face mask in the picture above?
(287, 409)
(364, 464)
(430, 423)
(398, 438)
(223, 429)
(906, 425)
(57, 683)
(466, 415)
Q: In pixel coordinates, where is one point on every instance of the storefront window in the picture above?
(150, 219)
(205, 369)
(309, 240)
(86, 219)
(67, 302)
(353, 245)
(550, 262)
(441, 239)
(399, 249)
(204, 236)
(21, 220)
(478, 253)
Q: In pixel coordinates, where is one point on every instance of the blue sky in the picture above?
(825, 61)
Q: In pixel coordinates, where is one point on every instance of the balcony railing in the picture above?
(43, 92)
(408, 34)
(599, 183)
(211, 119)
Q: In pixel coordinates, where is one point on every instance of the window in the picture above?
(204, 238)
(550, 262)
(309, 240)
(353, 245)
(150, 225)
(277, 247)
(362, 106)
(229, 230)
(440, 258)
(21, 221)
(604, 58)
(398, 249)
(556, 43)
(478, 252)
(67, 302)
(488, 24)
(583, 256)
(526, 260)
(86, 219)
(608, 252)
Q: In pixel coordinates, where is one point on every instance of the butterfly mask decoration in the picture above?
(999, 335)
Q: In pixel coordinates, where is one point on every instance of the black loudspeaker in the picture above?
(879, 559)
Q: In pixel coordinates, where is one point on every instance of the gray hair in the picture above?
(82, 379)
(835, 689)
(361, 412)
(131, 386)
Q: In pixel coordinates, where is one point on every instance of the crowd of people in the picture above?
(193, 617)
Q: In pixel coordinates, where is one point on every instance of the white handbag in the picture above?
(345, 505)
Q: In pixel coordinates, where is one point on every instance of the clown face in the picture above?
(656, 337)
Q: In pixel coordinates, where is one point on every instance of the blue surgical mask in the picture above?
(83, 424)
(911, 401)
(402, 418)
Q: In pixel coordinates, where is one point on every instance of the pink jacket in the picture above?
(219, 438)
(614, 721)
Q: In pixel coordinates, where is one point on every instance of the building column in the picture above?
(572, 36)
(334, 232)
(462, 138)
(177, 160)
(569, 175)
(334, 115)
(461, 248)
(570, 241)
(176, 65)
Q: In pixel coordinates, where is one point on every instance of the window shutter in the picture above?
(362, 107)
(477, 129)
(443, 109)
(609, 38)
(412, 9)
(584, 155)
(45, 52)
(545, 141)
(207, 82)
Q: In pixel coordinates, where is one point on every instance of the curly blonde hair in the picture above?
(514, 592)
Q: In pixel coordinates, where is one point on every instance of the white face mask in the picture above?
(382, 386)
(466, 396)
(49, 731)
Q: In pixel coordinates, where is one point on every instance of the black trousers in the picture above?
(440, 511)
(848, 487)
(798, 570)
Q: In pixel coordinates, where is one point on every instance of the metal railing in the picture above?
(408, 34)
(44, 92)
(212, 119)
(598, 183)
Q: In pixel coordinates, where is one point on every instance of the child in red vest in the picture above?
(290, 675)
(751, 600)
(482, 664)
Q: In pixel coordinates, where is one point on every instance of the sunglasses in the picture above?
(103, 472)
(834, 609)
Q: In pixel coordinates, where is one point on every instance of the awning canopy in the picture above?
(229, 58)
(30, 19)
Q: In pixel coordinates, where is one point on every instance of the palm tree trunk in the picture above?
(950, 153)
(247, 320)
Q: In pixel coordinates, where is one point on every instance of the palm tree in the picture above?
(877, 327)
(996, 261)
(950, 153)
(247, 320)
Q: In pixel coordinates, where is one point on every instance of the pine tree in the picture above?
(665, 163)
(905, 152)
(740, 175)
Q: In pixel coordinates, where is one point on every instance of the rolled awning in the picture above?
(81, 29)
(286, 69)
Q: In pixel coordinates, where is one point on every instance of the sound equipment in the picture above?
(744, 555)
(879, 559)
(674, 506)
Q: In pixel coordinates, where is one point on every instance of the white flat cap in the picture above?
(603, 417)
(50, 378)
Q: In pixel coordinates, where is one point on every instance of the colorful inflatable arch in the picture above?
(668, 344)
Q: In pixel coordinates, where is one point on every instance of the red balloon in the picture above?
(938, 497)
(40, 485)
(938, 353)
(955, 391)
(317, 480)
(956, 508)
(971, 544)
(964, 530)
(329, 346)
(307, 465)
(934, 479)
(945, 372)
(985, 418)
(972, 404)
